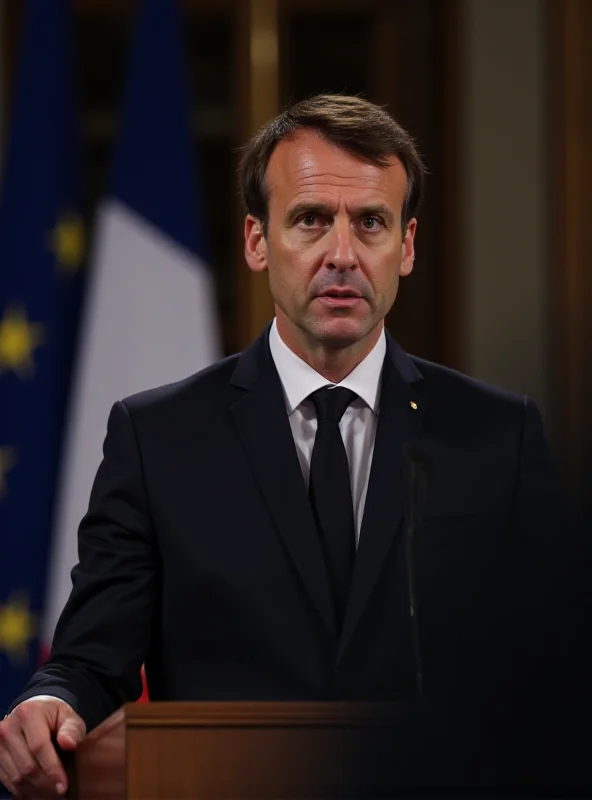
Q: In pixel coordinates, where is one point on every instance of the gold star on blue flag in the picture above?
(42, 248)
(18, 339)
(17, 628)
(69, 242)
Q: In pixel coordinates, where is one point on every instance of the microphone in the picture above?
(415, 475)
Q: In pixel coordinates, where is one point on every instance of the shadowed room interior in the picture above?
(498, 95)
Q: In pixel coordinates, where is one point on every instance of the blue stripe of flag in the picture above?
(155, 162)
(40, 189)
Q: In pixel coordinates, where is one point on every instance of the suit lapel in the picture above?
(262, 423)
(401, 412)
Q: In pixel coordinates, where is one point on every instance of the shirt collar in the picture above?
(299, 379)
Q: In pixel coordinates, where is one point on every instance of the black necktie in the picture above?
(330, 492)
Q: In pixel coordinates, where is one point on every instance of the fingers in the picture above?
(20, 756)
(20, 786)
(29, 763)
(40, 746)
(70, 728)
(35, 722)
(8, 771)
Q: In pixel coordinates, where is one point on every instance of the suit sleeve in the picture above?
(544, 540)
(537, 600)
(553, 562)
(533, 594)
(540, 511)
(103, 633)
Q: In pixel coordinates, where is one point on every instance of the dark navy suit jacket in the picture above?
(199, 555)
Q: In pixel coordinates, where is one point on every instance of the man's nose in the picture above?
(341, 252)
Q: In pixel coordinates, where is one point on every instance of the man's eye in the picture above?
(308, 221)
(371, 223)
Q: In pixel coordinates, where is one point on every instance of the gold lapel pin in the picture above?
(413, 405)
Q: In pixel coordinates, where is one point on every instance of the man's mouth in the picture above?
(340, 298)
(341, 293)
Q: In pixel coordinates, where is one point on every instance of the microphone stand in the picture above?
(416, 491)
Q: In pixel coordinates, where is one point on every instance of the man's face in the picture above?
(334, 247)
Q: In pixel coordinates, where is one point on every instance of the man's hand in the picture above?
(29, 763)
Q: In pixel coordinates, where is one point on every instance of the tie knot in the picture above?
(330, 402)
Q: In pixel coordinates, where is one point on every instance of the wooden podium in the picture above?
(255, 751)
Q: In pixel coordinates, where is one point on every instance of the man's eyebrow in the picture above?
(378, 210)
(309, 207)
(325, 209)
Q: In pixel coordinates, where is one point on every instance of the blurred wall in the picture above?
(503, 181)
(502, 242)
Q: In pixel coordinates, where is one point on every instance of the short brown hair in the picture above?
(352, 123)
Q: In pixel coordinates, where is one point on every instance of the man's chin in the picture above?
(341, 333)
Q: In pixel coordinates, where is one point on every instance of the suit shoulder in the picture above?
(471, 409)
(204, 387)
(445, 382)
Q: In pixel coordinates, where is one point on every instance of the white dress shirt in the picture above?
(358, 424)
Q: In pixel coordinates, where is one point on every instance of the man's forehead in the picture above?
(306, 162)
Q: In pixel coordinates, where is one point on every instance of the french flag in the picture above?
(149, 316)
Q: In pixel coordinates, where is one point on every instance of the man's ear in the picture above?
(408, 249)
(255, 244)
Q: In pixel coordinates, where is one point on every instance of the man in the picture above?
(246, 535)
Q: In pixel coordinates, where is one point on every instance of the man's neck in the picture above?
(333, 363)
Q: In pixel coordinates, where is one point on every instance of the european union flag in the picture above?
(41, 254)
